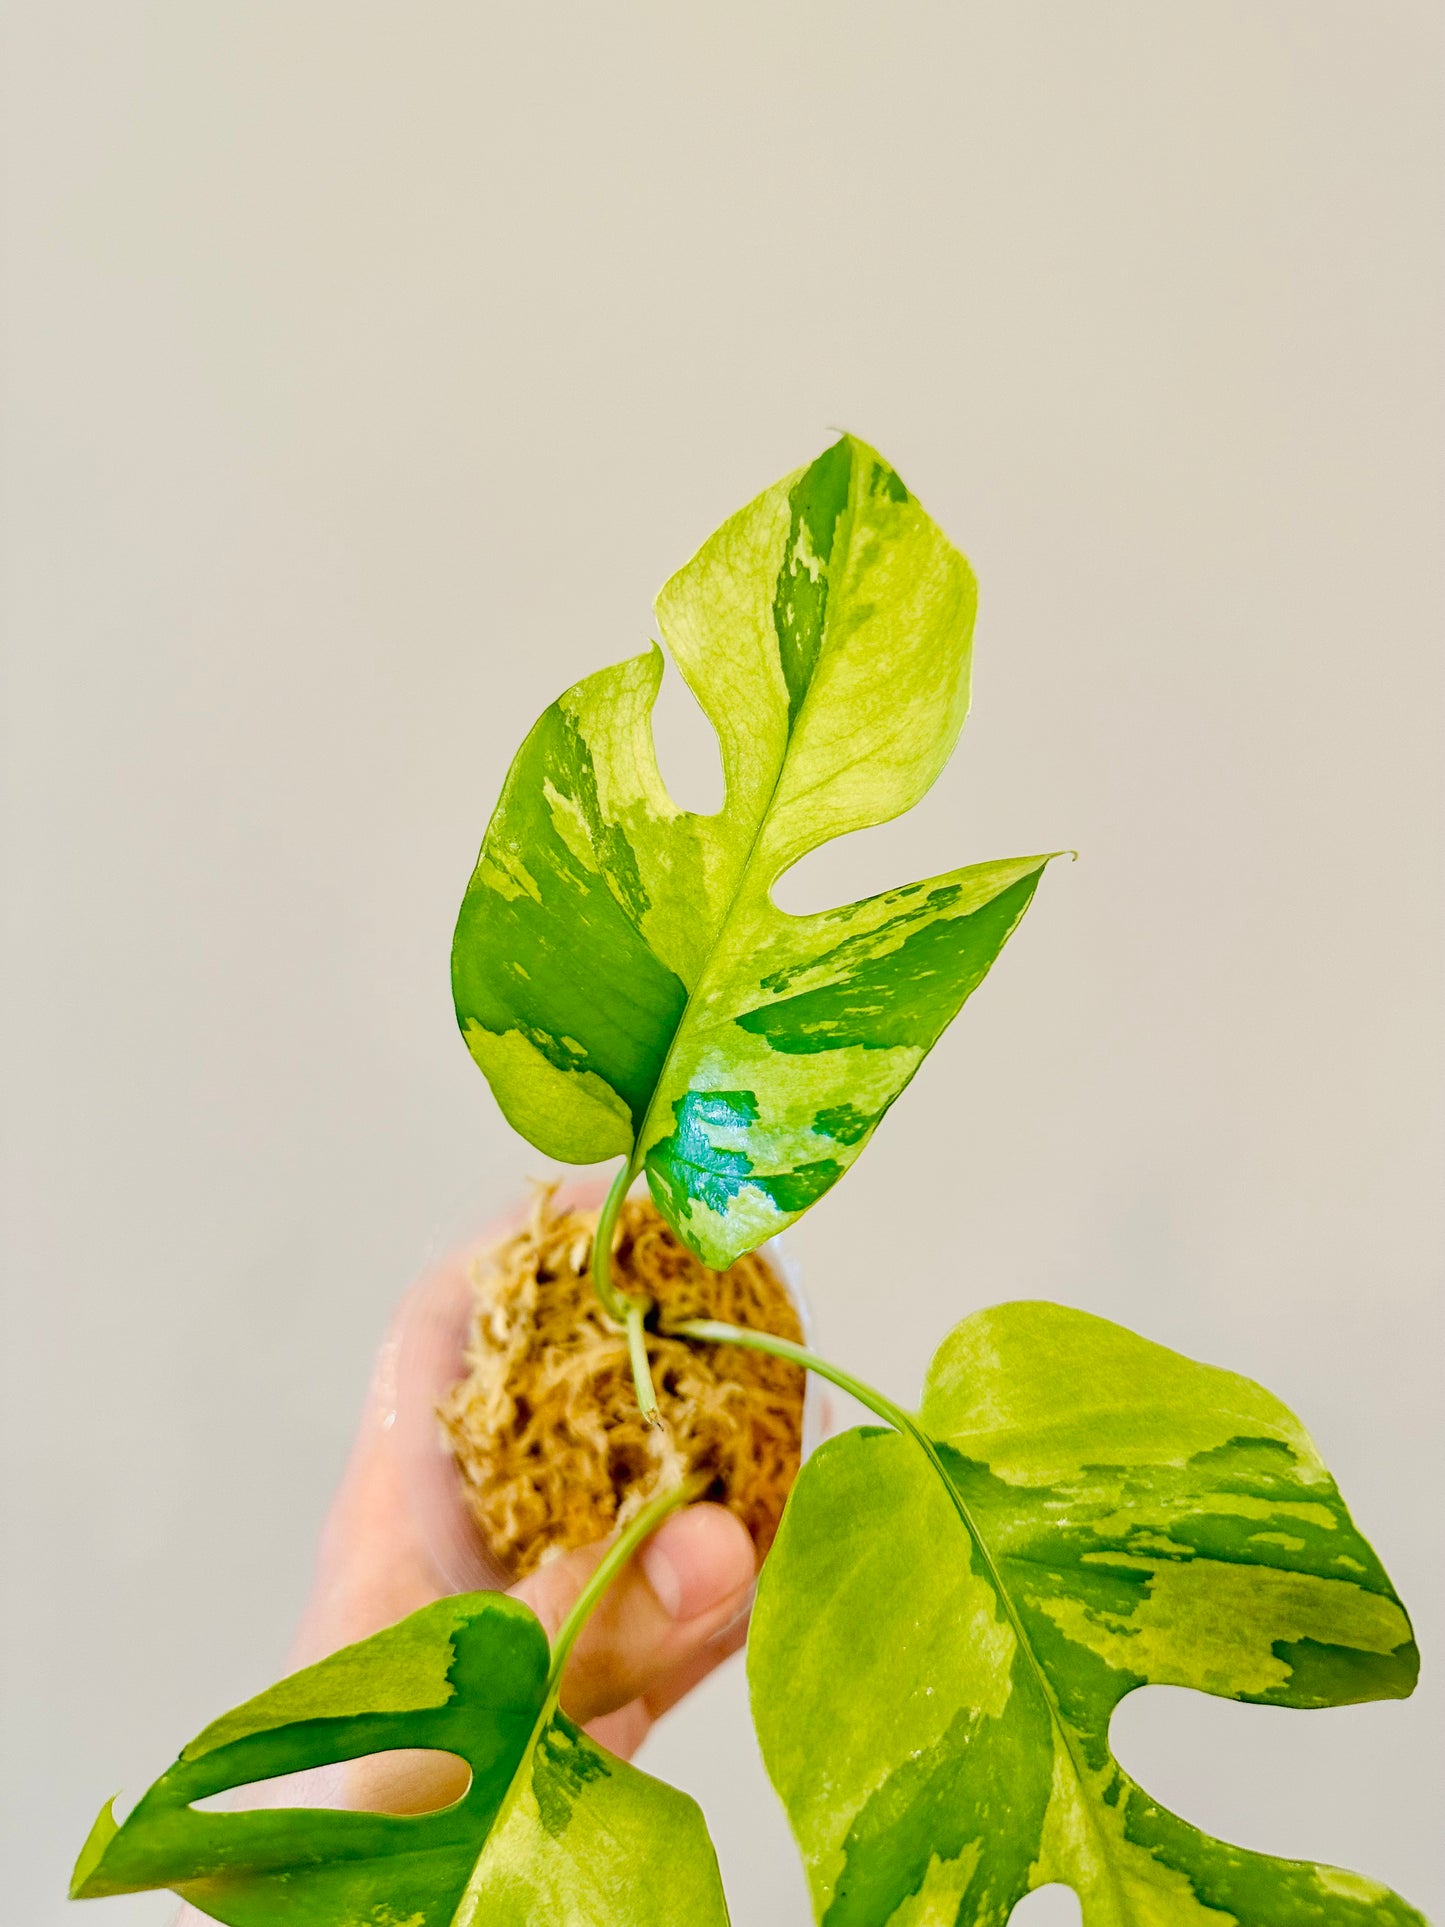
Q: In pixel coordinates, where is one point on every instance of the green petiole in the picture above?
(615, 1558)
(621, 1307)
(711, 1331)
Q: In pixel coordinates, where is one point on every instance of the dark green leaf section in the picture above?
(816, 502)
(550, 1826)
(907, 996)
(270, 1868)
(845, 1123)
(692, 1167)
(1108, 1515)
(800, 600)
(548, 940)
(563, 1765)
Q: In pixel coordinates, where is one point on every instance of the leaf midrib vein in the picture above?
(1001, 1592)
(843, 531)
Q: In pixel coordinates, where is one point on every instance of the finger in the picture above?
(662, 1697)
(689, 1583)
(372, 1568)
(624, 1731)
(672, 1614)
(400, 1500)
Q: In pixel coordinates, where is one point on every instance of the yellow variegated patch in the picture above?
(612, 942)
(938, 1648)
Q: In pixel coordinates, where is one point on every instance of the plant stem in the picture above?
(641, 1371)
(709, 1331)
(621, 1307)
(613, 1302)
(613, 1560)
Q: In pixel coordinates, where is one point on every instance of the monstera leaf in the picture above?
(620, 970)
(937, 1648)
(550, 1827)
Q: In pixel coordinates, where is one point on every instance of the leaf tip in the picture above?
(97, 1841)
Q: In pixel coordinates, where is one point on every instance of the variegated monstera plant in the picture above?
(958, 1600)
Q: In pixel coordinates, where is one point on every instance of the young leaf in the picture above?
(550, 1828)
(621, 973)
(937, 1649)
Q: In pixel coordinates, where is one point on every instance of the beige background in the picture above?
(368, 368)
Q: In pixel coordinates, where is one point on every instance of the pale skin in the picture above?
(676, 1610)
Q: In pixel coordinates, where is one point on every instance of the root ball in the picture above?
(544, 1427)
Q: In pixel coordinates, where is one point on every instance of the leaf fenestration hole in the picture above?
(404, 1780)
(687, 751)
(865, 863)
(1304, 1784)
(1053, 1906)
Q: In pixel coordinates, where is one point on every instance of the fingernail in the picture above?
(662, 1575)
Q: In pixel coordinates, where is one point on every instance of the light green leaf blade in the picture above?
(588, 1840)
(936, 1651)
(547, 1813)
(620, 970)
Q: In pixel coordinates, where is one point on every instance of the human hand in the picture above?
(676, 1610)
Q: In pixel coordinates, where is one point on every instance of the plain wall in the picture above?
(367, 369)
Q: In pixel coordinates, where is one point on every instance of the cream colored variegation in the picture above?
(622, 974)
(937, 1649)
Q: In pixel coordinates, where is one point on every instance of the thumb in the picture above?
(664, 1612)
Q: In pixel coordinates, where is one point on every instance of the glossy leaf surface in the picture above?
(936, 1655)
(621, 973)
(551, 1827)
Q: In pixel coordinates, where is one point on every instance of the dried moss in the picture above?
(545, 1427)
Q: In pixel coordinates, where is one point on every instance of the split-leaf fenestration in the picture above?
(551, 1827)
(934, 1659)
(621, 973)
